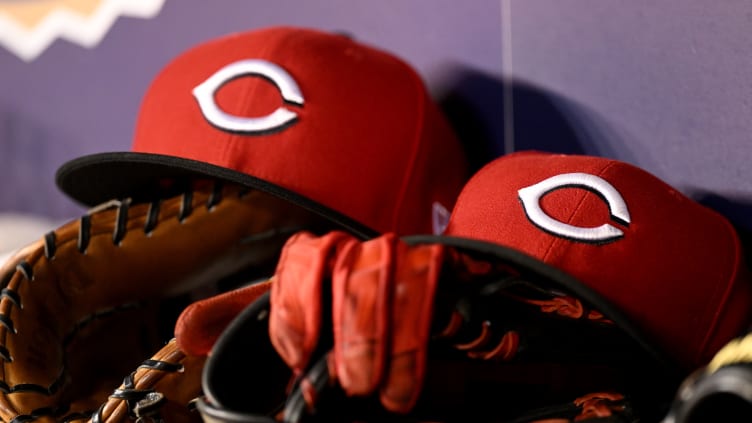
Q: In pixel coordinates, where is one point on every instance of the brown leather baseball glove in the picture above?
(87, 303)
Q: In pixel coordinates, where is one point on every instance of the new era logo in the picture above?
(27, 28)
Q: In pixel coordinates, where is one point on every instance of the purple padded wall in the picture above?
(72, 100)
(662, 85)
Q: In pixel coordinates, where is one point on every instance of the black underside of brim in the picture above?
(94, 179)
(558, 280)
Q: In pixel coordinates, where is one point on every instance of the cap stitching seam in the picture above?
(574, 213)
(417, 147)
(244, 102)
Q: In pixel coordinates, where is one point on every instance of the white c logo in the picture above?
(287, 86)
(532, 195)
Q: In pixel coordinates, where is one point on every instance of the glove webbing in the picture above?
(508, 342)
(478, 337)
(601, 407)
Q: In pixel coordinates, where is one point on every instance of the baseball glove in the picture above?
(596, 407)
(721, 391)
(420, 330)
(83, 306)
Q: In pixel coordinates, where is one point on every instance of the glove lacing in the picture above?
(25, 271)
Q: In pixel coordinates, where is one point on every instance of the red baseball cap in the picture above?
(672, 266)
(328, 123)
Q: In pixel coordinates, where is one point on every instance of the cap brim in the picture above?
(556, 280)
(94, 179)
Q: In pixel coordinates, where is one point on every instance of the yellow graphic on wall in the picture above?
(28, 27)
